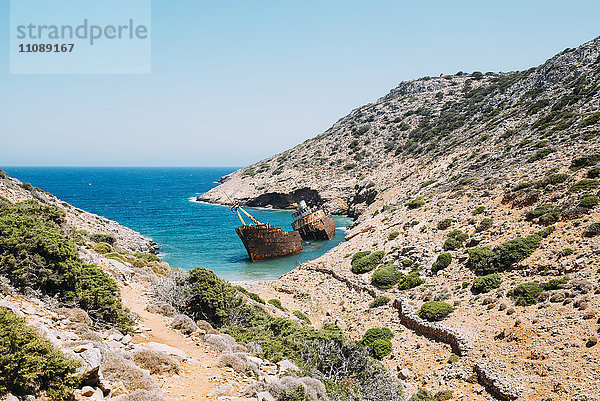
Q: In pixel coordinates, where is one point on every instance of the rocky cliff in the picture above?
(435, 128)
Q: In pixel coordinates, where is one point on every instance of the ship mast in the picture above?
(236, 208)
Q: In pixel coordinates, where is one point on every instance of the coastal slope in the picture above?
(478, 191)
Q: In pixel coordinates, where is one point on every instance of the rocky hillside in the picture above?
(477, 238)
(448, 129)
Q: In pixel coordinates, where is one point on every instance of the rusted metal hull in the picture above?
(266, 242)
(315, 226)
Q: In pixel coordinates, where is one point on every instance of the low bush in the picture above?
(485, 225)
(102, 248)
(515, 250)
(545, 214)
(483, 260)
(589, 201)
(422, 395)
(381, 348)
(251, 295)
(478, 210)
(107, 238)
(366, 262)
(527, 293)
(486, 283)
(443, 260)
(393, 235)
(554, 284)
(300, 315)
(585, 184)
(29, 364)
(379, 301)
(444, 224)
(276, 303)
(594, 172)
(411, 280)
(585, 161)
(444, 395)
(212, 298)
(386, 276)
(455, 240)
(566, 252)
(416, 203)
(35, 253)
(434, 310)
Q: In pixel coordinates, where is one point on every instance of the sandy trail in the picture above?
(199, 373)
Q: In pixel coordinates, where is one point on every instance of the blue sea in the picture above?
(159, 203)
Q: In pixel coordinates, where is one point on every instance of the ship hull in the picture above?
(321, 230)
(263, 242)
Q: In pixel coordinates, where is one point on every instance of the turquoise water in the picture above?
(157, 202)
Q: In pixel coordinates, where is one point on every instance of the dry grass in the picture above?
(116, 367)
(157, 363)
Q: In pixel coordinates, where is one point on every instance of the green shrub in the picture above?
(378, 341)
(485, 225)
(566, 252)
(552, 179)
(593, 172)
(393, 235)
(35, 253)
(589, 201)
(407, 262)
(590, 120)
(481, 260)
(422, 395)
(444, 395)
(3, 174)
(455, 240)
(546, 231)
(98, 238)
(367, 262)
(540, 154)
(443, 260)
(486, 283)
(381, 348)
(415, 203)
(411, 280)
(29, 364)
(250, 295)
(478, 210)
(212, 298)
(386, 276)
(376, 333)
(554, 284)
(102, 248)
(515, 250)
(527, 293)
(300, 315)
(350, 166)
(585, 161)
(434, 310)
(444, 224)
(585, 184)
(546, 214)
(276, 303)
(379, 301)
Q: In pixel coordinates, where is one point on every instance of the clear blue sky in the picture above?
(233, 82)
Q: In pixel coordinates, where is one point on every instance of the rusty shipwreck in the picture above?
(263, 240)
(312, 223)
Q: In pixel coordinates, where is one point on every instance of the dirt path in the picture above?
(199, 372)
